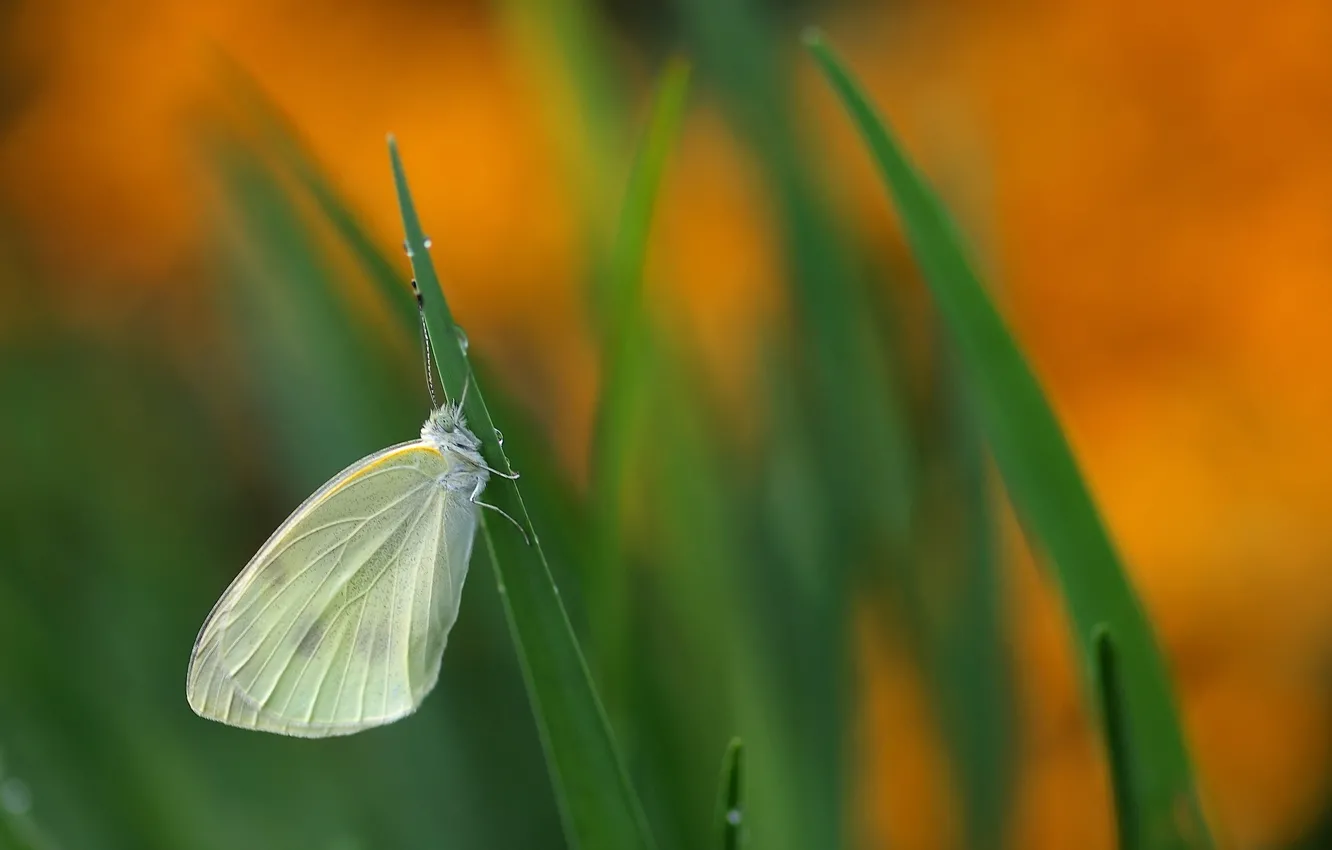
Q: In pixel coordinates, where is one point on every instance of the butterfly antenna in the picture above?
(425, 341)
(467, 385)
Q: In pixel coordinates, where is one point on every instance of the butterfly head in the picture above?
(447, 431)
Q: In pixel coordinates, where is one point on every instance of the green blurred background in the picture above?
(204, 314)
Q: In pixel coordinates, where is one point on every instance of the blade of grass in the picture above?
(597, 803)
(692, 619)
(571, 50)
(858, 400)
(291, 149)
(853, 400)
(1110, 690)
(622, 370)
(1043, 481)
(310, 356)
(963, 646)
(621, 301)
(730, 802)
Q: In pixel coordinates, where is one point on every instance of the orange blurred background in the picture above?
(1149, 187)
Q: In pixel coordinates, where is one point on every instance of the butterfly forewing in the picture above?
(339, 622)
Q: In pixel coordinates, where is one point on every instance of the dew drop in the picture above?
(499, 436)
(407, 248)
(462, 338)
(734, 816)
(15, 797)
(428, 242)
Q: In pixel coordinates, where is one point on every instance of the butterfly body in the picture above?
(339, 622)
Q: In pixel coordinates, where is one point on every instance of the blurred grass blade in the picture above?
(283, 138)
(841, 371)
(1110, 690)
(598, 805)
(572, 51)
(859, 399)
(692, 591)
(968, 652)
(1043, 481)
(730, 802)
(308, 352)
(624, 341)
(621, 299)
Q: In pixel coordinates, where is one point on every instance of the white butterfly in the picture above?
(338, 624)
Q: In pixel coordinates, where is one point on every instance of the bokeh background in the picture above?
(189, 344)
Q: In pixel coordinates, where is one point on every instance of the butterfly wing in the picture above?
(339, 622)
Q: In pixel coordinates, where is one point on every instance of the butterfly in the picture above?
(339, 622)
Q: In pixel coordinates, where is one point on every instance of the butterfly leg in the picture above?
(512, 476)
(480, 504)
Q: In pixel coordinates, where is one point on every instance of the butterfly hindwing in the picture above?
(339, 622)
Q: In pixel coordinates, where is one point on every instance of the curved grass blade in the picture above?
(621, 299)
(291, 149)
(731, 801)
(624, 341)
(1043, 481)
(299, 332)
(598, 805)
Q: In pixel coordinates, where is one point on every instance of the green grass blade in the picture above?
(731, 802)
(296, 331)
(622, 298)
(598, 805)
(284, 140)
(966, 652)
(623, 368)
(1043, 481)
(858, 399)
(1110, 689)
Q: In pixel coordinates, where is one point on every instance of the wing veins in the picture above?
(430, 596)
(342, 685)
(298, 538)
(305, 605)
(237, 613)
(360, 709)
(306, 666)
(393, 604)
(346, 606)
(277, 593)
(324, 493)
